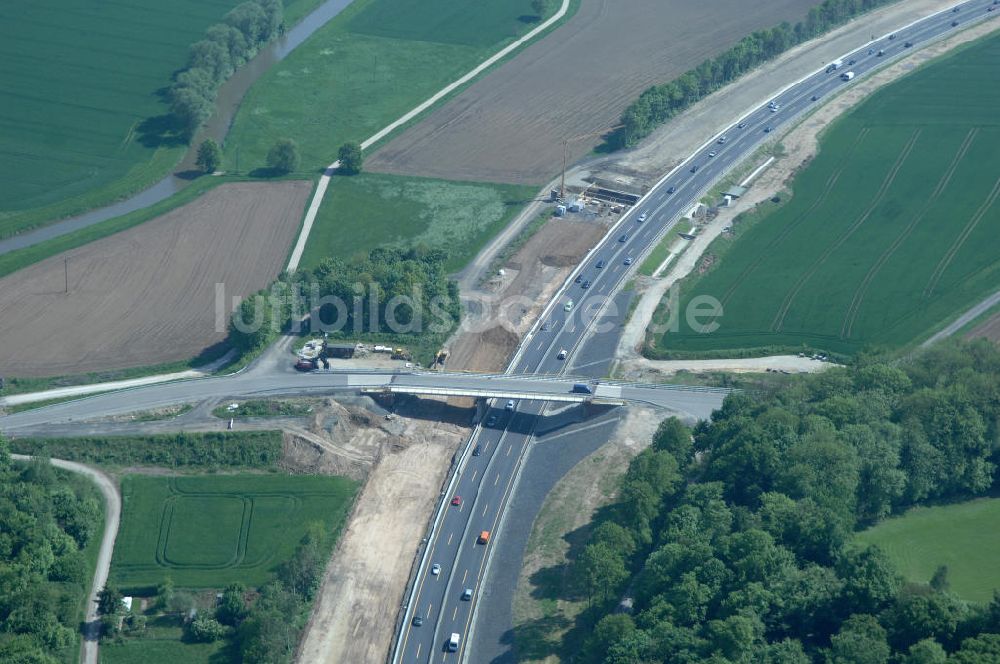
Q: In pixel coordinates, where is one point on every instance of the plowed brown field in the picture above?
(510, 125)
(147, 295)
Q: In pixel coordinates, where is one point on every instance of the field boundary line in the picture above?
(324, 181)
(827, 188)
(859, 295)
(960, 240)
(779, 319)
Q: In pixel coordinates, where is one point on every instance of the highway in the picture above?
(485, 479)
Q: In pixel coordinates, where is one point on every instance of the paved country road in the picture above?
(112, 516)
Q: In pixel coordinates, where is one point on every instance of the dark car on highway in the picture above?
(694, 169)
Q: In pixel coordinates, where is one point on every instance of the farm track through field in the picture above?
(859, 295)
(779, 319)
(960, 240)
(831, 182)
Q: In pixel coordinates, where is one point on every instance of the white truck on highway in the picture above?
(835, 65)
(847, 75)
(453, 642)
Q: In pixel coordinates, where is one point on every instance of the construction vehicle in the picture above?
(401, 354)
(484, 537)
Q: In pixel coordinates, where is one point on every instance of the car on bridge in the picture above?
(568, 306)
(510, 405)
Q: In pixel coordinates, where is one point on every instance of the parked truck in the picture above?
(847, 75)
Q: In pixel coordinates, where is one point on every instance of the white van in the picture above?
(453, 642)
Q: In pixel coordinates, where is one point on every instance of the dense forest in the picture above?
(733, 543)
(659, 103)
(47, 517)
(401, 295)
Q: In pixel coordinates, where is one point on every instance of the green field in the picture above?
(891, 230)
(208, 531)
(167, 648)
(965, 537)
(364, 69)
(82, 118)
(370, 210)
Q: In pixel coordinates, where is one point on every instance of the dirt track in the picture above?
(510, 125)
(147, 295)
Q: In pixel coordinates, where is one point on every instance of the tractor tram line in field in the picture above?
(862, 290)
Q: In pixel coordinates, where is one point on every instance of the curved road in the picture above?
(444, 602)
(112, 516)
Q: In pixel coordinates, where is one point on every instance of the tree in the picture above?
(232, 609)
(206, 629)
(209, 156)
(861, 641)
(284, 156)
(673, 437)
(109, 601)
(939, 581)
(982, 649)
(927, 651)
(350, 158)
(600, 572)
(165, 593)
(609, 630)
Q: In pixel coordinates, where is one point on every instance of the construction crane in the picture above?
(566, 142)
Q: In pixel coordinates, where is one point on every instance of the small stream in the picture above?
(230, 95)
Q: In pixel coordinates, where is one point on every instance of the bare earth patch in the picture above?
(988, 329)
(530, 278)
(510, 125)
(354, 618)
(147, 295)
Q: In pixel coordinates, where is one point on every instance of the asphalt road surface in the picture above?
(444, 600)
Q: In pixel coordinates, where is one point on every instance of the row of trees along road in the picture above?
(659, 103)
(735, 543)
(47, 517)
